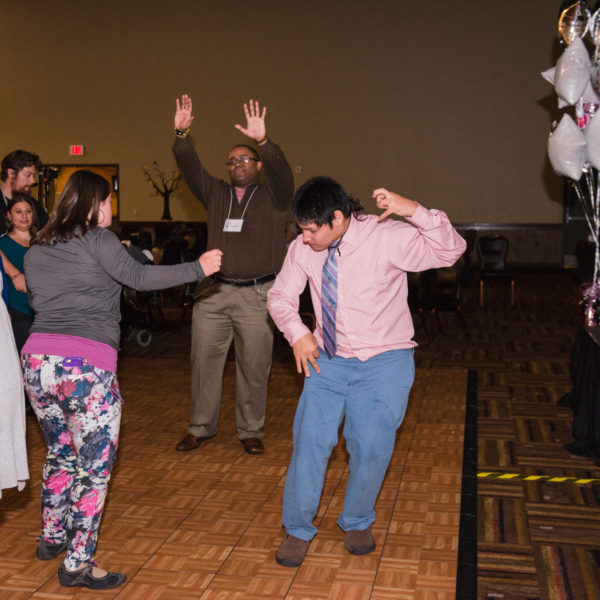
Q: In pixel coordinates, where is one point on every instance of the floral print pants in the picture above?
(78, 407)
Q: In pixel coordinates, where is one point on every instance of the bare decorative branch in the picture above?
(162, 185)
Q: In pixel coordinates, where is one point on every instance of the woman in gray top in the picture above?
(75, 270)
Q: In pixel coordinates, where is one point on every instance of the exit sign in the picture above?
(77, 150)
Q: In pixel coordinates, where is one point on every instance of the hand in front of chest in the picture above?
(210, 261)
(255, 121)
(306, 351)
(393, 203)
(19, 282)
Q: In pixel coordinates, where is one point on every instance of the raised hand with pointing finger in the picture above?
(393, 204)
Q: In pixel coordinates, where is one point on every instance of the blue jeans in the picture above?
(372, 396)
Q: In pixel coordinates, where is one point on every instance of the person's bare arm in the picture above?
(17, 278)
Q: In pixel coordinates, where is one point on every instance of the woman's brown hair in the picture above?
(76, 210)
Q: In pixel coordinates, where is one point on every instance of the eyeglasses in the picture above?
(243, 159)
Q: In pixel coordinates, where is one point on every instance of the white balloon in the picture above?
(572, 72)
(548, 75)
(590, 95)
(592, 137)
(567, 148)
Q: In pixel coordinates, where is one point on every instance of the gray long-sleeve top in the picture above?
(74, 287)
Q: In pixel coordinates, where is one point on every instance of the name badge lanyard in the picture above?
(235, 225)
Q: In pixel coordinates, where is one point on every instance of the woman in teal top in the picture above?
(21, 221)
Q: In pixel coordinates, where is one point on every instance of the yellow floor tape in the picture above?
(547, 478)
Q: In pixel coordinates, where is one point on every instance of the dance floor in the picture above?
(207, 523)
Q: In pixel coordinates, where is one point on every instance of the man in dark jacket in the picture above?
(246, 220)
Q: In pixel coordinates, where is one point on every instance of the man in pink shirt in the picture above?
(363, 370)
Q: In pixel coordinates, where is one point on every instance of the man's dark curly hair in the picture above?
(317, 200)
(18, 160)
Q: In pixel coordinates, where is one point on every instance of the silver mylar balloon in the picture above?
(573, 21)
(594, 28)
(595, 76)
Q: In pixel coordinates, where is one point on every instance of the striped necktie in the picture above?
(329, 301)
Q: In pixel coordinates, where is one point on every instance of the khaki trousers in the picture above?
(221, 314)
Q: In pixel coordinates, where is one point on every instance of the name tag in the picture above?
(233, 225)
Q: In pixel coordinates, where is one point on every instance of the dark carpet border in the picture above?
(466, 573)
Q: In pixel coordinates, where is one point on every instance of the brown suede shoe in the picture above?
(359, 541)
(291, 551)
(191, 442)
(253, 445)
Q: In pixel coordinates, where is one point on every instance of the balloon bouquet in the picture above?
(574, 144)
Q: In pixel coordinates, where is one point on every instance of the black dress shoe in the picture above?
(49, 551)
(85, 578)
(253, 445)
(191, 442)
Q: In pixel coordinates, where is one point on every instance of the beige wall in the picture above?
(439, 100)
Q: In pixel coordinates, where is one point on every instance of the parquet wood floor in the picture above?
(206, 524)
(536, 540)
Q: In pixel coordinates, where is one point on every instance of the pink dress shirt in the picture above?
(372, 312)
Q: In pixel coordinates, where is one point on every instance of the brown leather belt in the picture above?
(246, 282)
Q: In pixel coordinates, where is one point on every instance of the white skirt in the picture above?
(13, 450)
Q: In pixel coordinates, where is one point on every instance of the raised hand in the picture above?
(393, 203)
(255, 121)
(183, 113)
(210, 261)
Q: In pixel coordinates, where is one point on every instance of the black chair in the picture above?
(418, 298)
(470, 236)
(437, 292)
(586, 254)
(492, 262)
(444, 293)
